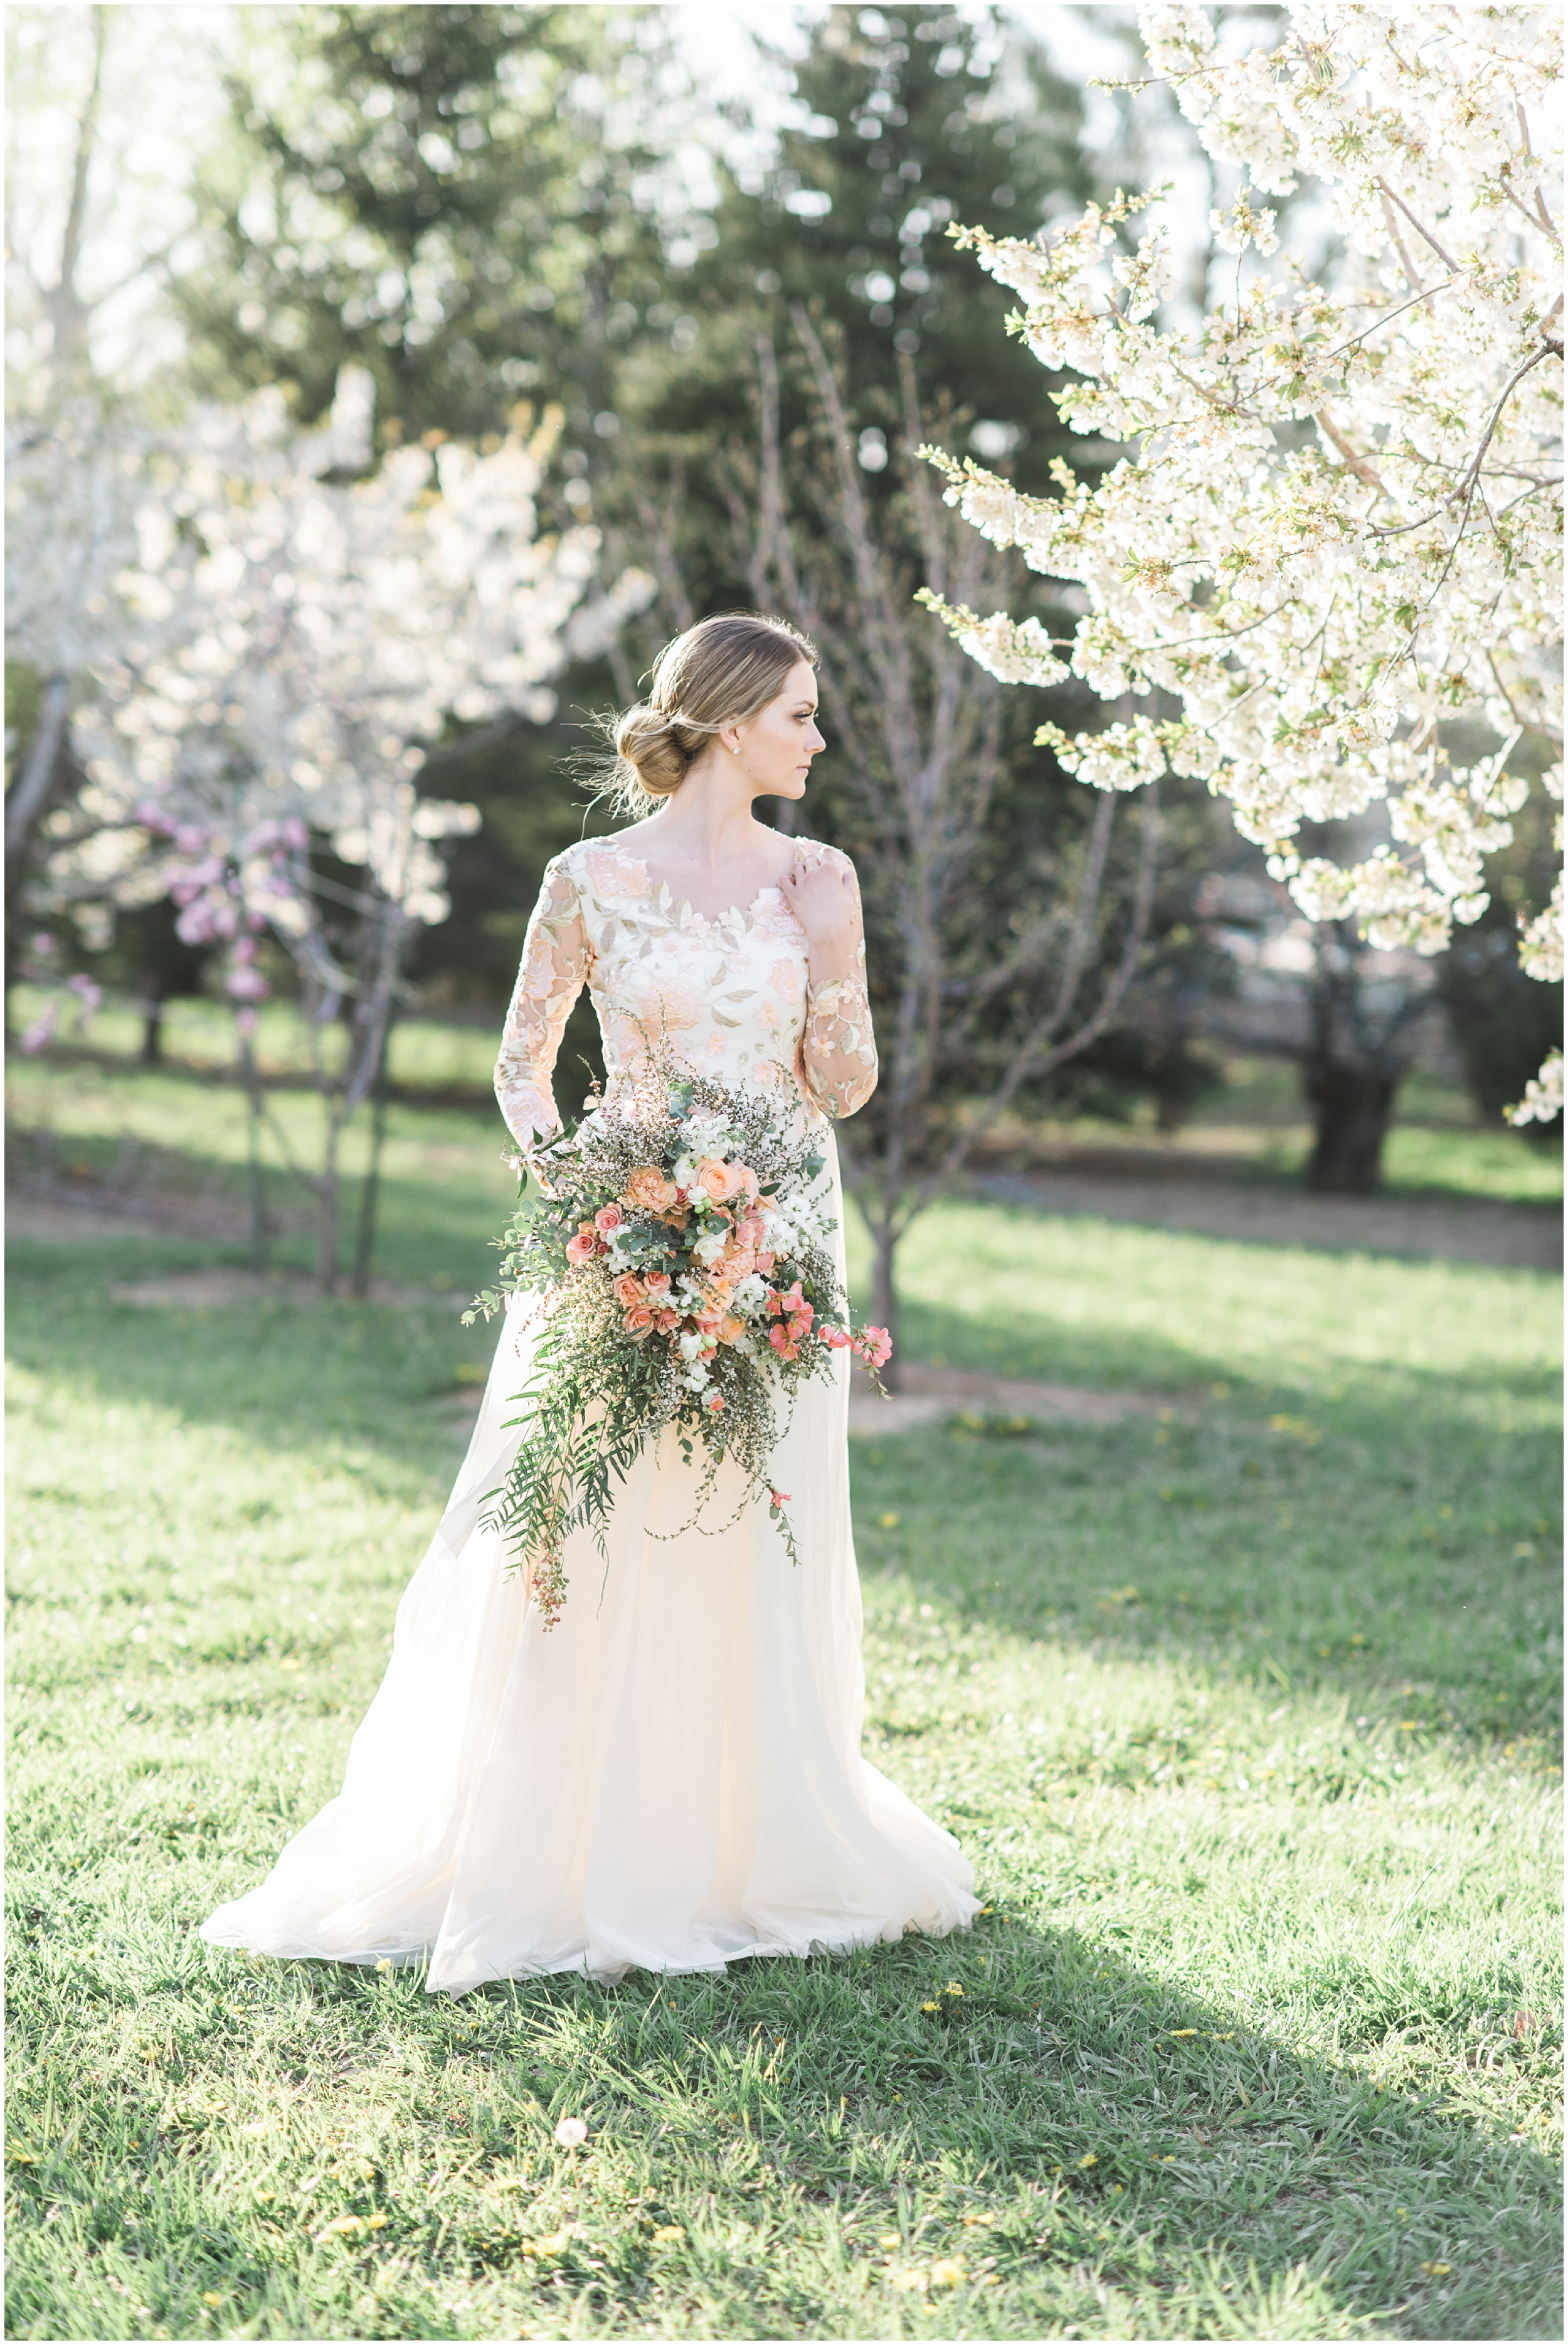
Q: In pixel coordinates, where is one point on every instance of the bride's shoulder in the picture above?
(605, 866)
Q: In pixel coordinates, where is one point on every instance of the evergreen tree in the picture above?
(913, 119)
(459, 197)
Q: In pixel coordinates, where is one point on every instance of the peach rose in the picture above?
(657, 1281)
(639, 1320)
(750, 1182)
(666, 1322)
(718, 1182)
(649, 1190)
(627, 1291)
(732, 1329)
(580, 1250)
(608, 1218)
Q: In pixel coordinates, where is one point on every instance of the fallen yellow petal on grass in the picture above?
(890, 2239)
(667, 2234)
(948, 2273)
(1183, 2031)
(1090, 2160)
(1437, 2271)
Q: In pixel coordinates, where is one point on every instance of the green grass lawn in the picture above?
(1247, 1715)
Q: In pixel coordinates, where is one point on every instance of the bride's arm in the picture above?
(556, 959)
(839, 1052)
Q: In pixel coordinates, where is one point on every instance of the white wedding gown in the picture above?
(672, 1777)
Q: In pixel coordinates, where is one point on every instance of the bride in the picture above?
(672, 1777)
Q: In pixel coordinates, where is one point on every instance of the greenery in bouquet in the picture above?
(676, 1242)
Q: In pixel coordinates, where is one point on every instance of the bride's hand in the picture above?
(820, 892)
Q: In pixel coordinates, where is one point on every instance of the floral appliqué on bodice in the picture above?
(730, 996)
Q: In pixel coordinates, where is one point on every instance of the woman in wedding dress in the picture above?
(671, 1777)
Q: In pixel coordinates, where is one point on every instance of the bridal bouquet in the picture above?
(679, 1256)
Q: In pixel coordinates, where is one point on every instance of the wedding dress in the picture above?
(671, 1777)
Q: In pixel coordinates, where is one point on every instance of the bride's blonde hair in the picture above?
(722, 671)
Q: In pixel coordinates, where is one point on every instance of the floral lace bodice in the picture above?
(731, 997)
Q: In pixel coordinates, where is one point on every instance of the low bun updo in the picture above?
(723, 671)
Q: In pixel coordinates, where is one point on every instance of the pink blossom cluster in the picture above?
(207, 883)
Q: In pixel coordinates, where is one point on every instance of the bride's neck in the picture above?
(709, 820)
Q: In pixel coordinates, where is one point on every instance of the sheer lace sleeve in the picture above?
(839, 1055)
(556, 959)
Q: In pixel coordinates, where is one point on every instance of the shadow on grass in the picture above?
(1396, 1546)
(1083, 2137)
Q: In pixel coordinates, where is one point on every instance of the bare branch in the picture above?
(1448, 261)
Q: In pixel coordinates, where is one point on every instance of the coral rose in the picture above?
(627, 1290)
(580, 1250)
(657, 1281)
(718, 1182)
(608, 1218)
(639, 1320)
(650, 1191)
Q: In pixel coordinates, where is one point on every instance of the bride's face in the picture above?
(777, 747)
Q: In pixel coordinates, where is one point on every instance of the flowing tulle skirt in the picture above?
(670, 1778)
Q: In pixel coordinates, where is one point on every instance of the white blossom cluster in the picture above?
(1338, 534)
(256, 638)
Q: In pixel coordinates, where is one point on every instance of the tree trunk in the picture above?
(152, 1027)
(369, 1194)
(1353, 1102)
(326, 1211)
(251, 1075)
(885, 1299)
(29, 794)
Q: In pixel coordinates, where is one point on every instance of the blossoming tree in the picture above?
(287, 642)
(1334, 547)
